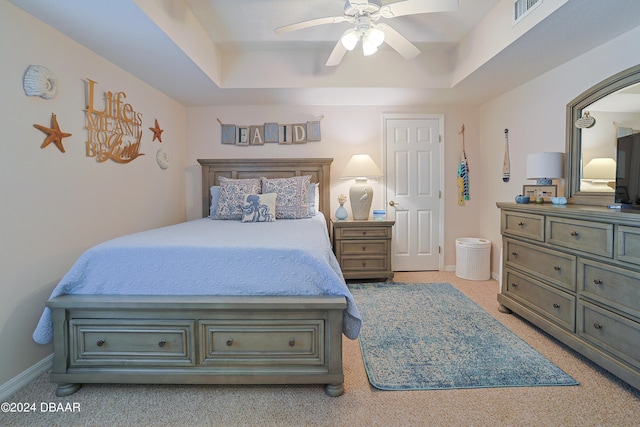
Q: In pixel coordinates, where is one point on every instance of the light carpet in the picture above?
(431, 336)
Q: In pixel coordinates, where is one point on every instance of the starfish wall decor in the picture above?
(54, 134)
(157, 132)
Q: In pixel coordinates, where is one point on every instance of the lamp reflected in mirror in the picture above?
(599, 175)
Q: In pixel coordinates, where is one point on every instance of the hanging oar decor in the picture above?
(463, 174)
(506, 168)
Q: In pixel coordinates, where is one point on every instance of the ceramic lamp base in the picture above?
(361, 196)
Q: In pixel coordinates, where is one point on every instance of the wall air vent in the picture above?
(521, 8)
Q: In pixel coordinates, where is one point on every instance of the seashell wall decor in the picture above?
(40, 81)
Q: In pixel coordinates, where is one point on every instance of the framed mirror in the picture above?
(605, 106)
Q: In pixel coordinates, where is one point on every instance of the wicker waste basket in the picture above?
(473, 258)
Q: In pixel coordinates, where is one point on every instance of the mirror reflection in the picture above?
(614, 116)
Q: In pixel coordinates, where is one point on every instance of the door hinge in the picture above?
(439, 250)
(439, 194)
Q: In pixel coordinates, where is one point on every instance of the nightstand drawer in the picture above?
(352, 265)
(362, 232)
(251, 342)
(364, 247)
(592, 237)
(131, 342)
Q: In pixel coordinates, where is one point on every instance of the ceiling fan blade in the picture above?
(397, 41)
(311, 23)
(337, 54)
(415, 7)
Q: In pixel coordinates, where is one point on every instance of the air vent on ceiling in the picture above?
(521, 8)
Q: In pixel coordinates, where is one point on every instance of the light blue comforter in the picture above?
(207, 257)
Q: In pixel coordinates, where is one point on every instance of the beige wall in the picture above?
(54, 205)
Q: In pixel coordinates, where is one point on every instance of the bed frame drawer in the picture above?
(106, 342)
(255, 342)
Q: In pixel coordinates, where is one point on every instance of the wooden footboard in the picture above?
(197, 340)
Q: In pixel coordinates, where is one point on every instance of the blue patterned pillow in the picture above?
(259, 208)
(232, 193)
(293, 195)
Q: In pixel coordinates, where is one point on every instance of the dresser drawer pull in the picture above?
(292, 342)
(557, 268)
(364, 263)
(521, 224)
(514, 285)
(597, 325)
(574, 233)
(514, 253)
(100, 343)
(229, 342)
(364, 249)
(556, 305)
(162, 343)
(597, 281)
(364, 233)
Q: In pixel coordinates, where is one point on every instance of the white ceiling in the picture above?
(243, 62)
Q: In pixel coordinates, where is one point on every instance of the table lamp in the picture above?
(361, 167)
(544, 167)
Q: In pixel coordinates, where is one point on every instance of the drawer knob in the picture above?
(364, 249)
(514, 285)
(556, 268)
(514, 253)
(556, 305)
(162, 343)
(100, 343)
(364, 264)
(229, 342)
(597, 281)
(364, 233)
(574, 233)
(292, 342)
(521, 224)
(597, 325)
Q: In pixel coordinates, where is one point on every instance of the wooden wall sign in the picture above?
(298, 133)
(115, 131)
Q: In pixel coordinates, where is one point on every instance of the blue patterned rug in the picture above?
(431, 336)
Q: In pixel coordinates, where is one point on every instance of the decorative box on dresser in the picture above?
(363, 248)
(574, 271)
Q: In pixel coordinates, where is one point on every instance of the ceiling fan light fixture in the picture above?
(375, 36)
(368, 48)
(350, 39)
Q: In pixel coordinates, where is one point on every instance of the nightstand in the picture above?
(363, 248)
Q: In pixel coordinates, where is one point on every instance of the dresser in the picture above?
(363, 248)
(574, 271)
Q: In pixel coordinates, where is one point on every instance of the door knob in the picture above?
(392, 203)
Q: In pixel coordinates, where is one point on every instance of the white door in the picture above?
(413, 174)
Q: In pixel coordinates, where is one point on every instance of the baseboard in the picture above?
(18, 382)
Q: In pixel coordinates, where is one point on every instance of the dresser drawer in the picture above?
(628, 244)
(362, 232)
(616, 334)
(523, 225)
(108, 342)
(616, 287)
(554, 266)
(593, 237)
(552, 303)
(364, 247)
(253, 342)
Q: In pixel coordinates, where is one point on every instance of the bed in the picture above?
(199, 306)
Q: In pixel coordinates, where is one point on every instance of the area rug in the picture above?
(431, 336)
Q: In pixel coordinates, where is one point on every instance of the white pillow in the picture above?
(314, 198)
(215, 196)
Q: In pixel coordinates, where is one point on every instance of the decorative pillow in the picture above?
(314, 198)
(215, 196)
(259, 207)
(232, 193)
(293, 195)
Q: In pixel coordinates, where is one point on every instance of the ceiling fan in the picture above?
(364, 15)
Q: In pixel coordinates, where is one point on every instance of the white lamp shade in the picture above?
(546, 165)
(350, 39)
(361, 166)
(600, 168)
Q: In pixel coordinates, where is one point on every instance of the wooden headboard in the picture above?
(319, 169)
